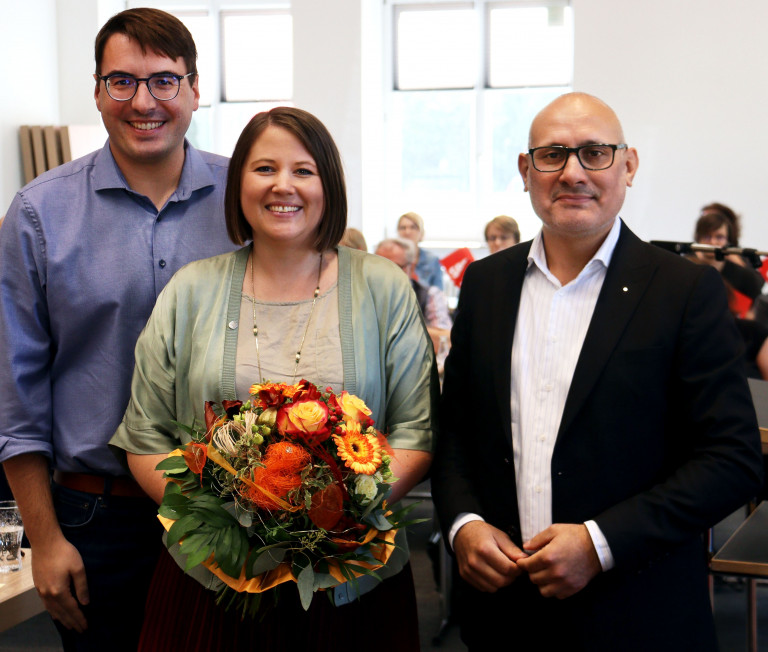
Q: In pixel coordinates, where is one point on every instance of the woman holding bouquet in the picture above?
(291, 305)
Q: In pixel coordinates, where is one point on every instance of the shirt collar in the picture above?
(537, 256)
(194, 175)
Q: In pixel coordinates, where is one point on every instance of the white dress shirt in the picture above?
(552, 323)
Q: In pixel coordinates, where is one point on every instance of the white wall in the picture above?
(686, 78)
(29, 86)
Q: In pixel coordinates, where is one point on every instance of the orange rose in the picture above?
(307, 420)
(355, 409)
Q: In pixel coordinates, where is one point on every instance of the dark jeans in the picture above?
(119, 540)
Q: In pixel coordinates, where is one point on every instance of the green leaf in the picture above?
(171, 488)
(378, 520)
(324, 581)
(174, 464)
(268, 560)
(212, 515)
(181, 528)
(306, 582)
(170, 511)
(197, 547)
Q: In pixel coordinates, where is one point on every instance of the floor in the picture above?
(38, 633)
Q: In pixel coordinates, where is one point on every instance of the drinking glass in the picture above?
(11, 531)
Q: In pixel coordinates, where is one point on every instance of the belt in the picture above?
(114, 485)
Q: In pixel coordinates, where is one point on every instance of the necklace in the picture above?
(306, 328)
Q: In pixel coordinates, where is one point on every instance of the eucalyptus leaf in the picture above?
(378, 520)
(268, 560)
(306, 582)
(324, 581)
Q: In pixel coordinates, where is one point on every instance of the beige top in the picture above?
(281, 327)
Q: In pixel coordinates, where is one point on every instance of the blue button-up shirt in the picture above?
(82, 260)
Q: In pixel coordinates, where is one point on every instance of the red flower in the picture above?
(195, 455)
(306, 391)
(271, 394)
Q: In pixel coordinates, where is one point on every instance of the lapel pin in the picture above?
(625, 289)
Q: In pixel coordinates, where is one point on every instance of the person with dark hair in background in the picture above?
(238, 319)
(718, 225)
(594, 422)
(86, 249)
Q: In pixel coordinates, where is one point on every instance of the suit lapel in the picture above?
(626, 281)
(505, 303)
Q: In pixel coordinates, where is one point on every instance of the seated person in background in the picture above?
(501, 232)
(431, 299)
(428, 270)
(719, 226)
(354, 239)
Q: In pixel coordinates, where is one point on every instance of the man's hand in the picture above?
(55, 569)
(486, 555)
(565, 560)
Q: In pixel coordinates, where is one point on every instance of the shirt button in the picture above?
(161, 264)
(232, 325)
(542, 438)
(537, 490)
(548, 387)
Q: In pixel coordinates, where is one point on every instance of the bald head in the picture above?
(575, 106)
(577, 204)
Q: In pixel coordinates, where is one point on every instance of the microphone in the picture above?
(682, 248)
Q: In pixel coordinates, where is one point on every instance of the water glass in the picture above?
(11, 531)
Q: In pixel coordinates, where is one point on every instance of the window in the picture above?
(467, 79)
(245, 61)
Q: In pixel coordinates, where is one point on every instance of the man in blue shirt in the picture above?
(85, 250)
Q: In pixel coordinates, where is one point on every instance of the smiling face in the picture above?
(574, 202)
(144, 130)
(281, 193)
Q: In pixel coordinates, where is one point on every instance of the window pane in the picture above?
(258, 56)
(436, 49)
(530, 46)
(201, 27)
(509, 114)
(435, 133)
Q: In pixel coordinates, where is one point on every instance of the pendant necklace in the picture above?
(306, 328)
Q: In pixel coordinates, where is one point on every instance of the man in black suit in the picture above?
(595, 417)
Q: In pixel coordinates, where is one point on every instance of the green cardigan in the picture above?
(186, 354)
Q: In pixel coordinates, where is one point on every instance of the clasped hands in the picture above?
(561, 559)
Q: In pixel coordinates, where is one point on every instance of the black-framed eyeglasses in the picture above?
(592, 157)
(162, 86)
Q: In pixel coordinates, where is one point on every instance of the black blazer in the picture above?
(658, 441)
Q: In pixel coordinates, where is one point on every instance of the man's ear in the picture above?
(523, 164)
(632, 161)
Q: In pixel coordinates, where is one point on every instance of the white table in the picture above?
(18, 597)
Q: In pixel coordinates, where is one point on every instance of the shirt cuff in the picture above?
(460, 521)
(602, 548)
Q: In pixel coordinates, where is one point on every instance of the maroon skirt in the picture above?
(181, 615)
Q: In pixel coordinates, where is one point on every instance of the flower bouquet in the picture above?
(288, 486)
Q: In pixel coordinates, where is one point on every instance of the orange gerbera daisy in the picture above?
(360, 452)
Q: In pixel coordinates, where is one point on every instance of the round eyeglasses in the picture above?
(162, 86)
(592, 157)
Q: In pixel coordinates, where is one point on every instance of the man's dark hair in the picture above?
(154, 30)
